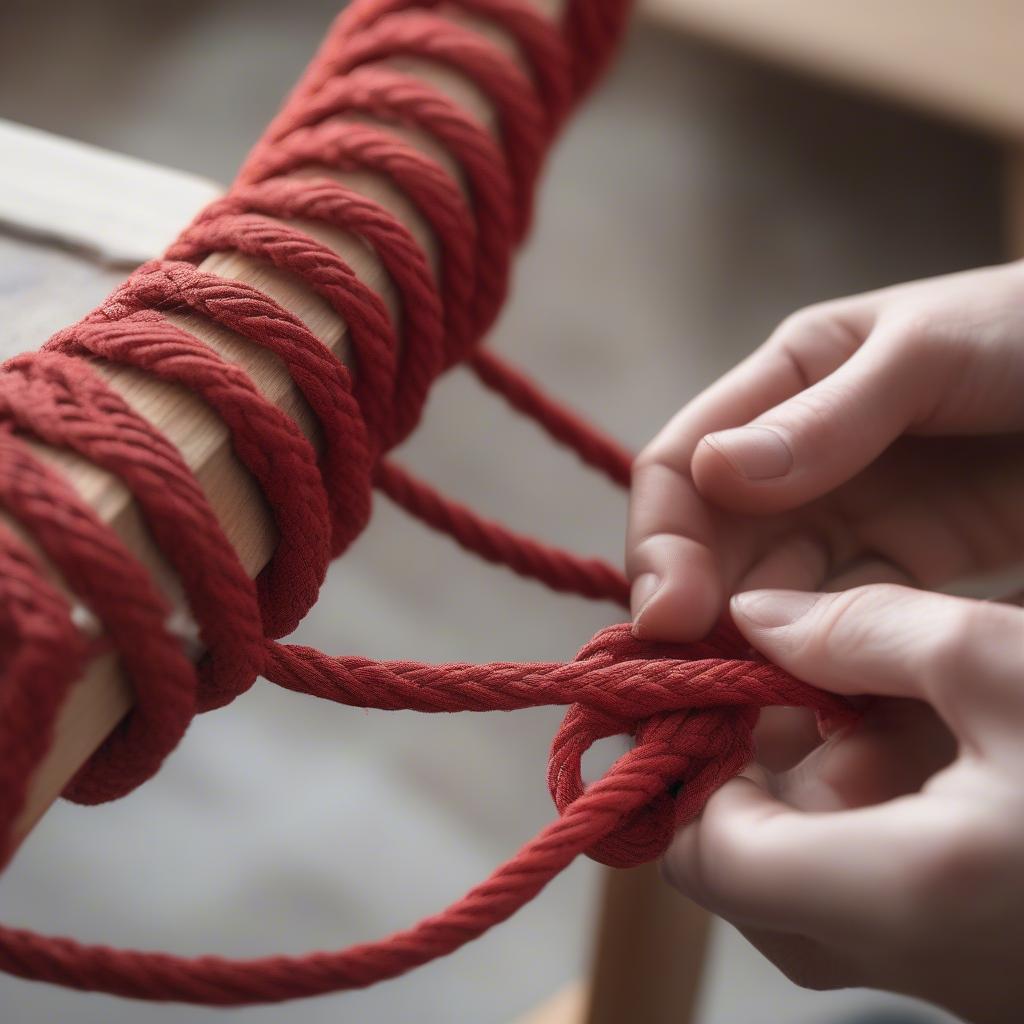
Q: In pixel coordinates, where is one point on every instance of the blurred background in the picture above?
(697, 199)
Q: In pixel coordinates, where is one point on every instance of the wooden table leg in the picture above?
(648, 959)
(566, 1006)
(650, 952)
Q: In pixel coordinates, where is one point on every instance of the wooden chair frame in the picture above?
(650, 944)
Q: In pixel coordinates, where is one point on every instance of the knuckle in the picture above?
(949, 657)
(805, 323)
(911, 336)
(813, 340)
(926, 341)
(648, 456)
(848, 621)
(656, 455)
(912, 325)
(656, 548)
(817, 411)
(724, 860)
(799, 323)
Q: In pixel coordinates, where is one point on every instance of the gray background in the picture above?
(695, 202)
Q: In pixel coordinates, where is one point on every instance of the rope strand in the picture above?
(690, 709)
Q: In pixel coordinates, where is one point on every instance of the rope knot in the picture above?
(691, 710)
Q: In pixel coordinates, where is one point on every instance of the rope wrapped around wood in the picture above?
(690, 709)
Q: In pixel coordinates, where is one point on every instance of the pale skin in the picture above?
(869, 453)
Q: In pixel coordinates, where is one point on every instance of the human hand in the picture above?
(884, 449)
(892, 855)
(845, 469)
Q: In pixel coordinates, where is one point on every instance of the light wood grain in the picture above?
(567, 1006)
(956, 58)
(102, 697)
(120, 209)
(650, 951)
(648, 959)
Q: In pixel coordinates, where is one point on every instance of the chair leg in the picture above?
(566, 1006)
(650, 952)
(648, 958)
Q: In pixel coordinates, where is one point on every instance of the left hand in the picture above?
(876, 438)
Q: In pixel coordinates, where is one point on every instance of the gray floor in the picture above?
(696, 201)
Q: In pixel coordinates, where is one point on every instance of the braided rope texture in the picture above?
(690, 709)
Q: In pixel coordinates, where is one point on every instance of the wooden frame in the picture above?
(102, 697)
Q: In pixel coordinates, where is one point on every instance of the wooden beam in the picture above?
(122, 210)
(102, 697)
(640, 915)
(956, 58)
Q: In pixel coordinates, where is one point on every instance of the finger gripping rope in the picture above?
(690, 710)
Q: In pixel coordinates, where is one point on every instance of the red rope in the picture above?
(689, 709)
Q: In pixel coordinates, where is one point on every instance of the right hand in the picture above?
(893, 855)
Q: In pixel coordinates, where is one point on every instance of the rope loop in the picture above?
(115, 589)
(689, 709)
(682, 754)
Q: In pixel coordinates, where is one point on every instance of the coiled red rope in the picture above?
(690, 709)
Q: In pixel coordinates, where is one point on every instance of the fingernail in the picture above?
(645, 586)
(756, 453)
(772, 608)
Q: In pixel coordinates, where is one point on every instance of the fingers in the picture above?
(939, 357)
(806, 963)
(800, 562)
(677, 589)
(783, 737)
(759, 863)
(821, 436)
(963, 657)
(819, 402)
(866, 570)
(896, 747)
(673, 539)
(841, 874)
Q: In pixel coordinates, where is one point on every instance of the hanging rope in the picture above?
(690, 709)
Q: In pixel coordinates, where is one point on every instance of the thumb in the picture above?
(820, 437)
(865, 872)
(963, 657)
